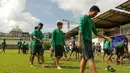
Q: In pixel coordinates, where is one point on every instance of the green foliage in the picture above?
(47, 44)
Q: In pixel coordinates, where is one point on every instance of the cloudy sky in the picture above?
(27, 13)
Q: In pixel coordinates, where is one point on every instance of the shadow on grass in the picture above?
(74, 67)
(70, 67)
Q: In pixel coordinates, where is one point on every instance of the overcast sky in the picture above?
(28, 13)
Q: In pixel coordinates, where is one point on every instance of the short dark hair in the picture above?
(41, 24)
(3, 39)
(94, 8)
(59, 23)
(35, 27)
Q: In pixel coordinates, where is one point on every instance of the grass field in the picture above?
(11, 62)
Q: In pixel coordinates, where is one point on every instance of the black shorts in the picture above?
(119, 51)
(99, 50)
(37, 50)
(75, 49)
(19, 47)
(3, 48)
(87, 49)
(58, 51)
(107, 51)
(42, 50)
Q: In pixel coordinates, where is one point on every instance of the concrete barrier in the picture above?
(10, 47)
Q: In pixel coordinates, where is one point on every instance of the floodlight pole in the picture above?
(68, 26)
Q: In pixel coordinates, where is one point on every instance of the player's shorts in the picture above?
(3, 47)
(107, 51)
(87, 49)
(73, 49)
(99, 50)
(19, 47)
(37, 49)
(119, 51)
(58, 51)
(42, 50)
(77, 50)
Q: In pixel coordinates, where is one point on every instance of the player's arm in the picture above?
(53, 39)
(104, 42)
(79, 40)
(37, 38)
(100, 34)
(34, 36)
(103, 36)
(63, 40)
(42, 41)
(80, 31)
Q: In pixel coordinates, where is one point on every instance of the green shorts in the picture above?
(58, 51)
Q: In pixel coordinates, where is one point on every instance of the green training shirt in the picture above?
(19, 43)
(37, 33)
(107, 44)
(3, 44)
(57, 38)
(86, 27)
(120, 44)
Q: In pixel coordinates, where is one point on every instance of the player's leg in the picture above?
(116, 60)
(117, 55)
(57, 59)
(121, 60)
(88, 55)
(92, 66)
(109, 55)
(78, 57)
(104, 54)
(18, 50)
(71, 52)
(32, 59)
(4, 50)
(65, 53)
(58, 54)
(82, 65)
(41, 53)
(43, 61)
(121, 55)
(34, 51)
(52, 53)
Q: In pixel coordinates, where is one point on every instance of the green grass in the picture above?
(19, 63)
